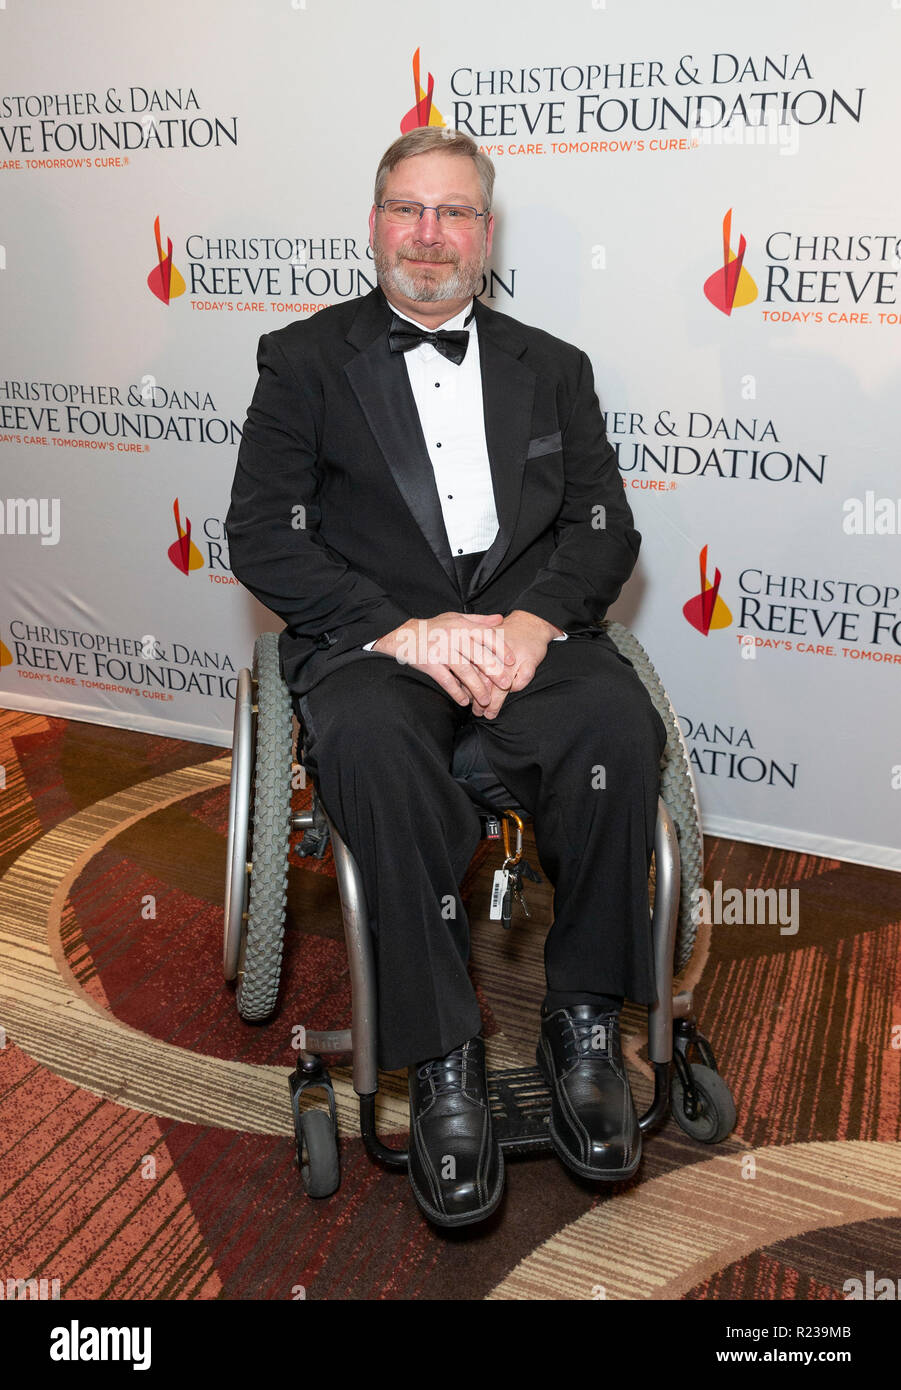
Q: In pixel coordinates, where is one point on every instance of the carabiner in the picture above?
(512, 859)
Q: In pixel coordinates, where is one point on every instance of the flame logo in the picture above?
(423, 113)
(730, 287)
(707, 610)
(164, 280)
(184, 553)
(6, 655)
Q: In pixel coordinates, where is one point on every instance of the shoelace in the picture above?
(454, 1063)
(582, 1037)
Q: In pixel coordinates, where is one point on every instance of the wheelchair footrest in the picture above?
(520, 1109)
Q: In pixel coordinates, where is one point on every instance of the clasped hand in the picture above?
(478, 658)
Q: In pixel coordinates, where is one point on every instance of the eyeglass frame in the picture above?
(428, 207)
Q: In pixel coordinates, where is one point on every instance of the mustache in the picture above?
(408, 253)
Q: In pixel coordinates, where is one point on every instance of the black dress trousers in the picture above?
(579, 748)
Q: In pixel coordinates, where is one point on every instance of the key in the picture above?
(528, 872)
(507, 906)
(516, 885)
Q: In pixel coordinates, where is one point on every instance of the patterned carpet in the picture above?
(146, 1132)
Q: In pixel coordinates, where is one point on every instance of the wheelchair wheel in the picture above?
(236, 875)
(254, 937)
(715, 1119)
(317, 1154)
(677, 788)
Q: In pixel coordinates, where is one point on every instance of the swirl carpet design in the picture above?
(147, 1148)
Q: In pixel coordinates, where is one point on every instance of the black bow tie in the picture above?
(404, 336)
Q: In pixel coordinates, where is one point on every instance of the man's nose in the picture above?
(429, 229)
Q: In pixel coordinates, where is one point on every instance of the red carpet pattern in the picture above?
(169, 1173)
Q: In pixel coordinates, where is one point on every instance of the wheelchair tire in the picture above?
(677, 788)
(240, 796)
(317, 1154)
(259, 968)
(716, 1116)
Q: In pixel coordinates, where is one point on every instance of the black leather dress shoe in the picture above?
(456, 1166)
(594, 1128)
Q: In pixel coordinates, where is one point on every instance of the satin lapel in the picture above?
(380, 382)
(508, 390)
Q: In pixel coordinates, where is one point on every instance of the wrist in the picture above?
(391, 641)
(541, 625)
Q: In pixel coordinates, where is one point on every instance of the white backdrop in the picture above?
(755, 414)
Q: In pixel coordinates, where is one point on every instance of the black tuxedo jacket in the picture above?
(335, 522)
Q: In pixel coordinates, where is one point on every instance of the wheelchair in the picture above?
(261, 823)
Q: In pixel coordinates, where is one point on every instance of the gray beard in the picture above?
(464, 281)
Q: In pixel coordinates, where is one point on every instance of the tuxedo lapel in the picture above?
(508, 390)
(381, 384)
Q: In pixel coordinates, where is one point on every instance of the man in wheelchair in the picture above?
(426, 495)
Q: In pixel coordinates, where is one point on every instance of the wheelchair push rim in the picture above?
(237, 871)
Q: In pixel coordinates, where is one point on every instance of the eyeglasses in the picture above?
(405, 214)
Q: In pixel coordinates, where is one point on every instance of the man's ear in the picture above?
(489, 233)
(372, 215)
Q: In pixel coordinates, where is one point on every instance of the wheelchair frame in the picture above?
(261, 821)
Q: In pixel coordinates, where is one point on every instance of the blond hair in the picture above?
(426, 138)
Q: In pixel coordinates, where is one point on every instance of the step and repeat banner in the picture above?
(702, 195)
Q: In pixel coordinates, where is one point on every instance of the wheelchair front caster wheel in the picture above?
(317, 1154)
(715, 1117)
